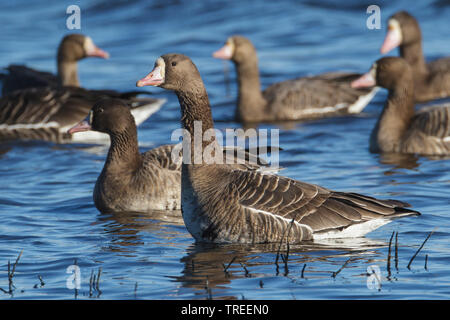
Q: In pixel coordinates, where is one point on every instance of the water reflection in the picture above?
(405, 161)
(4, 149)
(210, 268)
(126, 228)
(399, 161)
(7, 146)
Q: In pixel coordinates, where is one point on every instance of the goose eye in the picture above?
(174, 64)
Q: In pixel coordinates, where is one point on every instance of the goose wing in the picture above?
(327, 93)
(162, 155)
(171, 156)
(433, 121)
(317, 207)
(33, 106)
(43, 113)
(19, 77)
(439, 78)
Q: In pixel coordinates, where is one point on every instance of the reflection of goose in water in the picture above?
(397, 161)
(125, 229)
(205, 264)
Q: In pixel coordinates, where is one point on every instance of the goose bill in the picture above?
(154, 78)
(81, 126)
(226, 52)
(366, 80)
(393, 37)
(97, 52)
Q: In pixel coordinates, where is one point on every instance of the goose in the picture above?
(226, 203)
(312, 97)
(33, 99)
(131, 181)
(47, 113)
(73, 47)
(431, 80)
(399, 128)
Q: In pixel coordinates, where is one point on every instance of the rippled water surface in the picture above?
(46, 205)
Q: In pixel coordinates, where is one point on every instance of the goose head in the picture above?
(236, 48)
(110, 116)
(75, 47)
(403, 29)
(386, 72)
(175, 72)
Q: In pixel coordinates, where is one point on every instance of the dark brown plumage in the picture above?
(431, 80)
(72, 48)
(302, 98)
(400, 128)
(46, 113)
(232, 203)
(131, 181)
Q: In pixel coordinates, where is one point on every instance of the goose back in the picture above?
(20, 77)
(315, 97)
(437, 84)
(429, 132)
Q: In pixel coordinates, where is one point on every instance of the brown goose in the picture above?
(46, 113)
(72, 48)
(399, 128)
(230, 203)
(303, 98)
(431, 80)
(130, 181)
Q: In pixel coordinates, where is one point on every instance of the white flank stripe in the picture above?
(324, 109)
(353, 231)
(88, 137)
(277, 217)
(356, 107)
(21, 126)
(142, 113)
(362, 101)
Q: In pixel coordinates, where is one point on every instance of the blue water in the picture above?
(46, 205)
